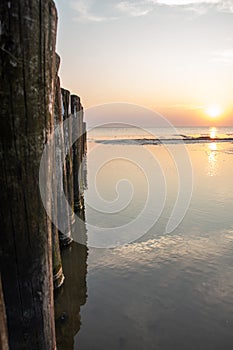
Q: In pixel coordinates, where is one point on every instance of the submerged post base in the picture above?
(58, 279)
(65, 240)
(78, 206)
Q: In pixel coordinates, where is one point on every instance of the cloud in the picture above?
(187, 2)
(85, 13)
(223, 57)
(105, 10)
(134, 9)
(226, 6)
(199, 7)
(95, 11)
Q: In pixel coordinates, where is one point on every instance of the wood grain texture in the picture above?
(66, 109)
(27, 73)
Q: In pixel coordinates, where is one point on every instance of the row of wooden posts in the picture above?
(32, 106)
(72, 181)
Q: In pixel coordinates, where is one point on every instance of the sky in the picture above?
(171, 56)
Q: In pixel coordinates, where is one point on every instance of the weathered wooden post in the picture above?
(58, 277)
(77, 150)
(61, 174)
(84, 171)
(66, 112)
(83, 152)
(27, 73)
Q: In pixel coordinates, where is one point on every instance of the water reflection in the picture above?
(213, 133)
(212, 159)
(73, 294)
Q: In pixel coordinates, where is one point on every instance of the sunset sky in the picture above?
(172, 56)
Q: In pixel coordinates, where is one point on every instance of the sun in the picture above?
(213, 111)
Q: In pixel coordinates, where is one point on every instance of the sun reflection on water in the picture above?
(213, 133)
(213, 147)
(212, 159)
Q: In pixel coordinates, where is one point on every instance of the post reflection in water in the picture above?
(73, 294)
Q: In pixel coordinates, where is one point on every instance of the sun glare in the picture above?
(213, 133)
(213, 111)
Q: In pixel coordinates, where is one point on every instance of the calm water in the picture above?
(162, 291)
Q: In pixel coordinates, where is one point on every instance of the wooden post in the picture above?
(27, 73)
(84, 171)
(61, 174)
(83, 152)
(77, 151)
(58, 277)
(66, 111)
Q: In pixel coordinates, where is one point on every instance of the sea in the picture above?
(156, 271)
